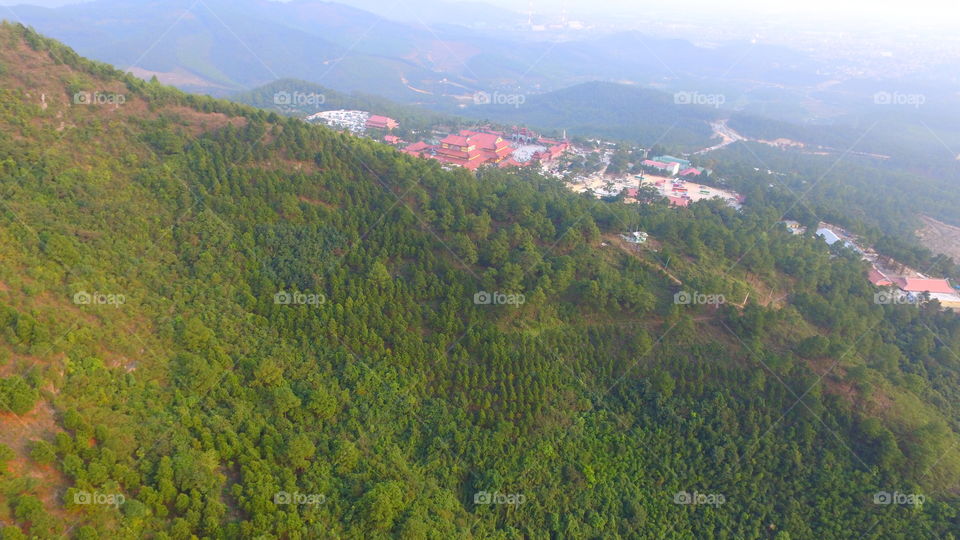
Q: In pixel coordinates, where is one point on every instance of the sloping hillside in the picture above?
(308, 98)
(220, 323)
(219, 46)
(609, 110)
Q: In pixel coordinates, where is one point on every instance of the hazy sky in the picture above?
(891, 12)
(44, 3)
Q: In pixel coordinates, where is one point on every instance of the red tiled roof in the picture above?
(471, 164)
(553, 152)
(417, 147)
(487, 141)
(679, 201)
(690, 172)
(459, 154)
(497, 155)
(877, 278)
(376, 121)
(925, 285)
(469, 159)
(510, 162)
(455, 140)
(471, 149)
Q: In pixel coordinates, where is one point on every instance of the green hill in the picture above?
(221, 323)
(609, 110)
(307, 98)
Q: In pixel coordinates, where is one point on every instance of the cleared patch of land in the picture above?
(940, 237)
(177, 77)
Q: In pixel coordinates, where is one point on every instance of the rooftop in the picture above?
(917, 285)
(829, 236)
(671, 159)
(658, 164)
(456, 140)
(877, 278)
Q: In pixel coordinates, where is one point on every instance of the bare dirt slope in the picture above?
(940, 237)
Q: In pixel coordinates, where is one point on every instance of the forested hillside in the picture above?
(308, 98)
(221, 323)
(879, 200)
(616, 111)
(916, 177)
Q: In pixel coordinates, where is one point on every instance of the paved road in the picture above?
(728, 135)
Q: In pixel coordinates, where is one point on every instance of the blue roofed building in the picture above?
(828, 236)
(684, 164)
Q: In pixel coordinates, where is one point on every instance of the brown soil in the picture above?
(17, 433)
(783, 143)
(43, 83)
(940, 237)
(639, 251)
(765, 295)
(316, 202)
(178, 77)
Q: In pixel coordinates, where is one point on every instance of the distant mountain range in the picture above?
(218, 46)
(469, 14)
(609, 110)
(442, 55)
(590, 109)
(298, 98)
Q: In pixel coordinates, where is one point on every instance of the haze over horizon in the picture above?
(927, 12)
(935, 11)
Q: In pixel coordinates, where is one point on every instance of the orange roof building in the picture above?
(877, 278)
(914, 285)
(471, 149)
(554, 150)
(382, 122)
(510, 162)
(419, 149)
